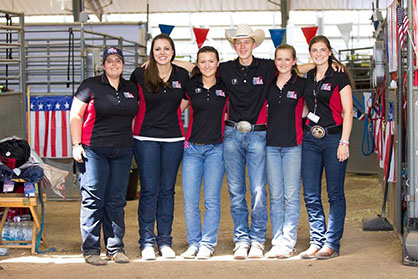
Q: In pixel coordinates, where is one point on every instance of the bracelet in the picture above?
(76, 145)
(344, 142)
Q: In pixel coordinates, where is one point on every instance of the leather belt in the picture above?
(319, 131)
(245, 126)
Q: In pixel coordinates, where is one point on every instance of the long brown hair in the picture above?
(331, 58)
(153, 82)
(196, 72)
(293, 51)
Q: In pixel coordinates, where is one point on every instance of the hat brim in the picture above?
(257, 35)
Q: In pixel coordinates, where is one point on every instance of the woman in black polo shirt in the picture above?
(325, 145)
(203, 154)
(158, 147)
(284, 151)
(100, 121)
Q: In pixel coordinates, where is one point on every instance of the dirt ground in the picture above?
(363, 254)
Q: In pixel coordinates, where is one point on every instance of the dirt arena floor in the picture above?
(363, 254)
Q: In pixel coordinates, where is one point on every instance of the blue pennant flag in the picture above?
(166, 29)
(277, 36)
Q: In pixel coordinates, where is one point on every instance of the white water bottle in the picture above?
(6, 231)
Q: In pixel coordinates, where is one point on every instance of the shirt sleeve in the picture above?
(83, 92)
(343, 80)
(133, 77)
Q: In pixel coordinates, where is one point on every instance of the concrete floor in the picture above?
(363, 254)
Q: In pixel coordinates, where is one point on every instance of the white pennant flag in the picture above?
(345, 30)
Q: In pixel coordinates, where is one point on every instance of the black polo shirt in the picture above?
(285, 107)
(109, 113)
(327, 91)
(247, 87)
(207, 111)
(159, 113)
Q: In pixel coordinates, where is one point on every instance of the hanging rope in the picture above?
(8, 50)
(70, 62)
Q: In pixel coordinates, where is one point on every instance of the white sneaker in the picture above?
(274, 251)
(241, 250)
(167, 252)
(190, 253)
(148, 253)
(256, 250)
(204, 253)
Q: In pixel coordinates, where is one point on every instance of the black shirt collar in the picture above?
(105, 80)
(253, 64)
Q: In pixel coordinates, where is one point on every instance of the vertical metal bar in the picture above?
(22, 54)
(399, 140)
(48, 65)
(412, 110)
(82, 52)
(285, 17)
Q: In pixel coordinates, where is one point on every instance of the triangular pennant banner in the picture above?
(345, 30)
(309, 33)
(166, 29)
(200, 34)
(277, 36)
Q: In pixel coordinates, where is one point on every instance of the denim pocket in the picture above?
(228, 132)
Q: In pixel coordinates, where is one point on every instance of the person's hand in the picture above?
(79, 153)
(337, 67)
(343, 152)
(145, 64)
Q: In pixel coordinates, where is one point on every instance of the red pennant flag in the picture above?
(309, 33)
(200, 34)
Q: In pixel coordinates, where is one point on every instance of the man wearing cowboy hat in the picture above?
(247, 79)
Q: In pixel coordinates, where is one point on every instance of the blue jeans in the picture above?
(317, 154)
(103, 178)
(202, 162)
(249, 149)
(158, 163)
(283, 176)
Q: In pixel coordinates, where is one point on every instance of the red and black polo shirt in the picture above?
(207, 111)
(247, 87)
(327, 93)
(159, 113)
(285, 107)
(109, 113)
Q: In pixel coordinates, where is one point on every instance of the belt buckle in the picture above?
(318, 131)
(244, 126)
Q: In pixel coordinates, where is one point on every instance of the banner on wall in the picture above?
(309, 33)
(200, 35)
(345, 30)
(415, 21)
(50, 126)
(166, 29)
(277, 36)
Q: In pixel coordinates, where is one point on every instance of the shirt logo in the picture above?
(257, 80)
(198, 90)
(220, 93)
(176, 84)
(128, 95)
(326, 87)
(292, 95)
(234, 81)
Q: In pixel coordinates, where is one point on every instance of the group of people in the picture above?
(246, 114)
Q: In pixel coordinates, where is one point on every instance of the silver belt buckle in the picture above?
(318, 131)
(244, 126)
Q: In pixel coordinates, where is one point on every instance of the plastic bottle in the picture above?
(27, 227)
(13, 232)
(6, 231)
(19, 231)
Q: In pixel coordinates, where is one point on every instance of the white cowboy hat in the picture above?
(245, 31)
